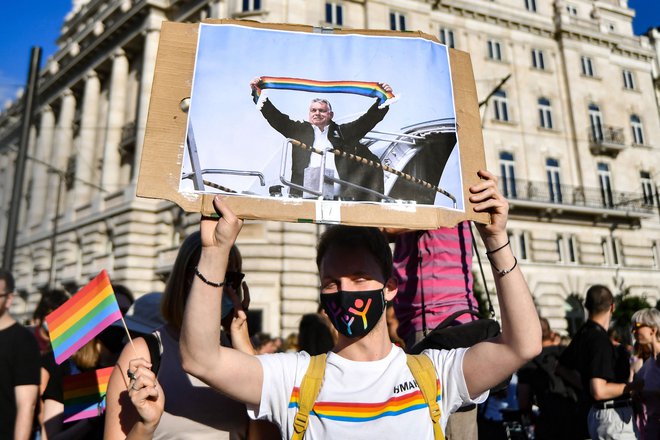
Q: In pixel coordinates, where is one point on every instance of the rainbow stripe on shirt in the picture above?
(364, 412)
(364, 88)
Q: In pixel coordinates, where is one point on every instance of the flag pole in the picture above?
(129, 336)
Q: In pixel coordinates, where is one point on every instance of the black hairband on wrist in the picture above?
(508, 242)
(502, 272)
(203, 278)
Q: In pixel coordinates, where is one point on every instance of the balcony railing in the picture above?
(604, 139)
(567, 197)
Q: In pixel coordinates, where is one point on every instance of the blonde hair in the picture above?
(87, 357)
(650, 317)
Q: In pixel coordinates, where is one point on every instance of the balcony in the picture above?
(606, 140)
(575, 203)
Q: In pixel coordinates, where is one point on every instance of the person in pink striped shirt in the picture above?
(433, 269)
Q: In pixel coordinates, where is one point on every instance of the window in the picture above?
(572, 10)
(494, 50)
(507, 174)
(655, 251)
(596, 122)
(554, 182)
(447, 37)
(518, 242)
(537, 59)
(628, 80)
(587, 66)
(501, 106)
(616, 251)
(605, 181)
(561, 252)
(637, 130)
(647, 187)
(545, 113)
(251, 5)
(530, 5)
(568, 249)
(334, 13)
(397, 21)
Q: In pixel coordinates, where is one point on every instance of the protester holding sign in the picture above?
(364, 368)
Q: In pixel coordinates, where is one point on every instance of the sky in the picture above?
(25, 24)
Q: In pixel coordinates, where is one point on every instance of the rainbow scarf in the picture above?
(84, 394)
(81, 318)
(364, 88)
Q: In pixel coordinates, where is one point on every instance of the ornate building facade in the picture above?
(570, 125)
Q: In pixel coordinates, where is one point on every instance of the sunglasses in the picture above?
(638, 325)
(234, 279)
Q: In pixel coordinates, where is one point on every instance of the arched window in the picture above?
(545, 113)
(637, 129)
(596, 123)
(554, 181)
(501, 106)
(507, 174)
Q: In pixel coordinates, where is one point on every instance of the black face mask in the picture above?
(354, 314)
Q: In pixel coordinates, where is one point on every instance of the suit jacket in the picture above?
(345, 137)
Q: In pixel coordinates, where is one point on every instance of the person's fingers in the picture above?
(246, 296)
(485, 194)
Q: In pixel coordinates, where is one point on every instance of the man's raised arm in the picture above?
(231, 372)
(490, 362)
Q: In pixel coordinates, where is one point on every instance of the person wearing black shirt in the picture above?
(19, 369)
(604, 379)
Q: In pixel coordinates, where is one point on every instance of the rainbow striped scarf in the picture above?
(364, 88)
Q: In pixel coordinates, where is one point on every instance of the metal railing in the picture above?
(606, 135)
(576, 196)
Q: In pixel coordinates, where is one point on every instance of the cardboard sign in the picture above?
(296, 124)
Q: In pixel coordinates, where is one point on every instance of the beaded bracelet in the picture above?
(508, 242)
(502, 272)
(203, 278)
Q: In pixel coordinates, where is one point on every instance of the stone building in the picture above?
(572, 130)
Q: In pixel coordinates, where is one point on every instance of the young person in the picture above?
(365, 370)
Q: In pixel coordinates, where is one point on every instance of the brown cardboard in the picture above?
(162, 156)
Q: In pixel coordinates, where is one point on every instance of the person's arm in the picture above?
(26, 402)
(236, 374)
(125, 416)
(603, 390)
(520, 339)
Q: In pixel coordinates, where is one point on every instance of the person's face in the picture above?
(5, 298)
(353, 269)
(643, 333)
(319, 114)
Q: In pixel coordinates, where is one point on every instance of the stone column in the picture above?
(88, 129)
(62, 143)
(110, 176)
(44, 150)
(152, 34)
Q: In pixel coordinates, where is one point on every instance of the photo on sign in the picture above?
(356, 118)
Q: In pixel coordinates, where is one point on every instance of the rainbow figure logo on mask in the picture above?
(363, 314)
(348, 320)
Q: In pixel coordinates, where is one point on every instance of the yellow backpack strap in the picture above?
(309, 390)
(423, 371)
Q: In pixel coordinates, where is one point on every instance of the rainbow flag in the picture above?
(82, 317)
(84, 394)
(364, 88)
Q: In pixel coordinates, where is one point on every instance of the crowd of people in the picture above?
(373, 307)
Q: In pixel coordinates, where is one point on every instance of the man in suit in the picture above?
(321, 132)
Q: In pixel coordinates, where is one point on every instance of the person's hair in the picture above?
(546, 332)
(324, 101)
(314, 335)
(50, 300)
(260, 339)
(180, 280)
(599, 299)
(354, 237)
(87, 356)
(650, 317)
(125, 297)
(8, 279)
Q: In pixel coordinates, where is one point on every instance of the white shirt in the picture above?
(380, 398)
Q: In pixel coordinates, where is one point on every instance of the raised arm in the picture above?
(236, 374)
(489, 362)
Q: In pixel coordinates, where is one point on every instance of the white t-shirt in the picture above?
(378, 399)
